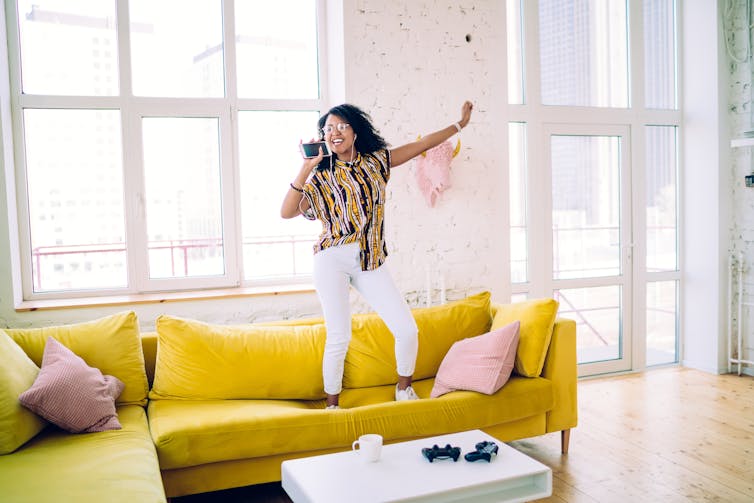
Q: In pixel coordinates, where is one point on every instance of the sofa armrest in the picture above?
(562, 369)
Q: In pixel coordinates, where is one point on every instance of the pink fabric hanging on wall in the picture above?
(433, 171)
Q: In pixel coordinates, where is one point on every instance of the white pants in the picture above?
(335, 269)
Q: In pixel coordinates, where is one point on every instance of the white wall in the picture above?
(409, 65)
(705, 180)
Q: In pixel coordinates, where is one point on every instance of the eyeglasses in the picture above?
(341, 126)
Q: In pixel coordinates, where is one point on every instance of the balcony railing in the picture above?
(179, 249)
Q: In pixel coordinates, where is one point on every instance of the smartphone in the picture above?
(310, 150)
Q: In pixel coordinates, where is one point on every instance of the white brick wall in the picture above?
(412, 70)
(741, 120)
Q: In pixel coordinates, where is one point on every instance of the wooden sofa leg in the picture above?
(565, 437)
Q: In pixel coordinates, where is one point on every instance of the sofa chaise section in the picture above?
(115, 466)
(47, 463)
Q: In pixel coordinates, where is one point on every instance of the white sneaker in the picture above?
(405, 394)
(332, 407)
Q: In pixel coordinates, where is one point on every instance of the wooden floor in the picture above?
(668, 435)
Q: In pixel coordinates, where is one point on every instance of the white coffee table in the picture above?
(403, 474)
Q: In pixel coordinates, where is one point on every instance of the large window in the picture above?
(593, 137)
(155, 142)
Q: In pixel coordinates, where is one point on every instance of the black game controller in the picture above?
(436, 452)
(484, 450)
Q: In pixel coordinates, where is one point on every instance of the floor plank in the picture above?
(670, 435)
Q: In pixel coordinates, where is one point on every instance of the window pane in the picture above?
(270, 159)
(662, 198)
(659, 54)
(597, 313)
(662, 322)
(75, 180)
(515, 53)
(183, 199)
(276, 49)
(68, 48)
(584, 52)
(177, 48)
(518, 232)
(585, 206)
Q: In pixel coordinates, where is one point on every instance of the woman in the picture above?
(346, 192)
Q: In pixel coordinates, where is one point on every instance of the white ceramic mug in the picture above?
(369, 447)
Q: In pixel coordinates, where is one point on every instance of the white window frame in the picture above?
(133, 109)
(538, 117)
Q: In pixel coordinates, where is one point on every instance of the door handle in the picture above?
(629, 249)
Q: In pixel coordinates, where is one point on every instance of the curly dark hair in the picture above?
(368, 138)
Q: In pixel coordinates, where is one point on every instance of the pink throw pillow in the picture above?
(483, 363)
(71, 394)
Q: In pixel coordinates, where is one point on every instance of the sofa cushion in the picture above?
(111, 344)
(72, 395)
(117, 466)
(201, 361)
(483, 363)
(190, 433)
(17, 374)
(370, 360)
(537, 318)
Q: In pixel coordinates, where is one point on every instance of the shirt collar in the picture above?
(348, 164)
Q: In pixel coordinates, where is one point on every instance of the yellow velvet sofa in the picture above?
(209, 407)
(229, 403)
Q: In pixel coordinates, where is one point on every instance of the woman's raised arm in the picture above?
(400, 155)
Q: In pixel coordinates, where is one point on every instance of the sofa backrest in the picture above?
(111, 344)
(283, 360)
(203, 361)
(536, 318)
(371, 359)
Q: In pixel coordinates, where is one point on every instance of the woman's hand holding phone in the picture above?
(312, 149)
(310, 162)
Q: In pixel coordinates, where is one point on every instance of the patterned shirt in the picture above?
(350, 203)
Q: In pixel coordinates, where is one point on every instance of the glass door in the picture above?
(591, 247)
